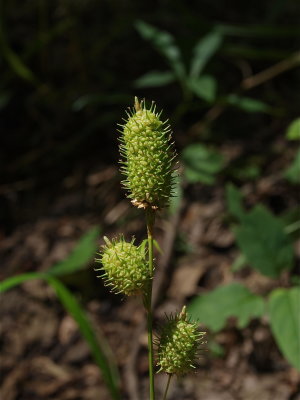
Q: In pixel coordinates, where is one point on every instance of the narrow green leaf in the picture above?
(14, 61)
(204, 50)
(155, 79)
(233, 300)
(80, 256)
(157, 246)
(204, 87)
(239, 263)
(165, 44)
(262, 239)
(285, 322)
(293, 130)
(247, 104)
(98, 349)
(10, 283)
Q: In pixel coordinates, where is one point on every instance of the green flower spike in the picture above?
(179, 344)
(148, 157)
(124, 266)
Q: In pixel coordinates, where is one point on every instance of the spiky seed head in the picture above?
(148, 156)
(179, 344)
(124, 266)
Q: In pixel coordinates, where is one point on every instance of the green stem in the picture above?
(150, 217)
(167, 387)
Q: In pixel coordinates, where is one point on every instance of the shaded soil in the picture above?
(42, 353)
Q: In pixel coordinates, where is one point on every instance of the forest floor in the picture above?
(43, 355)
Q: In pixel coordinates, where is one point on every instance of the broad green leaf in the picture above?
(99, 348)
(204, 50)
(247, 104)
(155, 79)
(233, 300)
(80, 256)
(293, 130)
(234, 200)
(201, 163)
(163, 42)
(204, 87)
(262, 239)
(292, 173)
(285, 322)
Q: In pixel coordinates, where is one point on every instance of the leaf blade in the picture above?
(283, 307)
(80, 256)
(204, 50)
(165, 44)
(232, 300)
(109, 371)
(261, 237)
(154, 79)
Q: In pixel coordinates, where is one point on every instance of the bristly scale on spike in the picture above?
(148, 156)
(124, 267)
(179, 344)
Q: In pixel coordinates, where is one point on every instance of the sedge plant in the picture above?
(147, 164)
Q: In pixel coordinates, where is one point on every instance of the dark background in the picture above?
(69, 69)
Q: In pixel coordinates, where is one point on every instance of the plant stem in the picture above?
(150, 217)
(167, 387)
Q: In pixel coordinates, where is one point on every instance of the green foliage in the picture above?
(165, 44)
(285, 322)
(201, 163)
(261, 237)
(192, 82)
(292, 173)
(204, 87)
(98, 345)
(265, 246)
(247, 104)
(155, 78)
(204, 50)
(80, 256)
(293, 130)
(15, 62)
(233, 300)
(82, 253)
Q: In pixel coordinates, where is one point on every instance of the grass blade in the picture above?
(99, 348)
(80, 256)
(108, 368)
